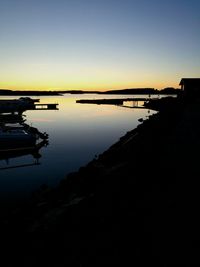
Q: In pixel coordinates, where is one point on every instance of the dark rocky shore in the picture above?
(136, 204)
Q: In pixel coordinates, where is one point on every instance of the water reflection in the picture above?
(77, 133)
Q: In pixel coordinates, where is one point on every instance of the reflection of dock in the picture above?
(20, 166)
(11, 118)
(26, 149)
(15, 152)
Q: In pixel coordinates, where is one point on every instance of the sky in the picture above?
(98, 45)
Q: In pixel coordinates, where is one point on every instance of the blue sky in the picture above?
(98, 44)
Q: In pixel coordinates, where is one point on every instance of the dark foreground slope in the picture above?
(138, 203)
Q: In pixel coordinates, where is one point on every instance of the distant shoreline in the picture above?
(132, 91)
(27, 93)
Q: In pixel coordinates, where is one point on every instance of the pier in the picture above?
(116, 101)
(44, 107)
(18, 106)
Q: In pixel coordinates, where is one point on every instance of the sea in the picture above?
(77, 132)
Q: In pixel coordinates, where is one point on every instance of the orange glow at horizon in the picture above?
(78, 76)
(66, 45)
(85, 85)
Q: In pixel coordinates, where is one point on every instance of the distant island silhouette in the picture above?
(27, 92)
(167, 90)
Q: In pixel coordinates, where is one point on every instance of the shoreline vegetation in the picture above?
(168, 90)
(136, 203)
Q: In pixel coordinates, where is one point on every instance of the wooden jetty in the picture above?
(18, 106)
(44, 107)
(115, 101)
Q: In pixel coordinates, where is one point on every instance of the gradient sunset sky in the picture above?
(98, 44)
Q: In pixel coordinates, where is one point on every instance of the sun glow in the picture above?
(62, 78)
(97, 45)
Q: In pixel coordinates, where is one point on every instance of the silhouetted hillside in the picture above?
(131, 91)
(140, 91)
(27, 93)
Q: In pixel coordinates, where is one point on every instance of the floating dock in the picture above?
(44, 107)
(116, 101)
(12, 106)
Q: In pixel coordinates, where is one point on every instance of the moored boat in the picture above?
(16, 135)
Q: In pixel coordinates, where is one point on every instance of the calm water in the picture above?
(77, 132)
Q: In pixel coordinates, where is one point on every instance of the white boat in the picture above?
(15, 135)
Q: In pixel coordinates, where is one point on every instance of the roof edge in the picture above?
(187, 79)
